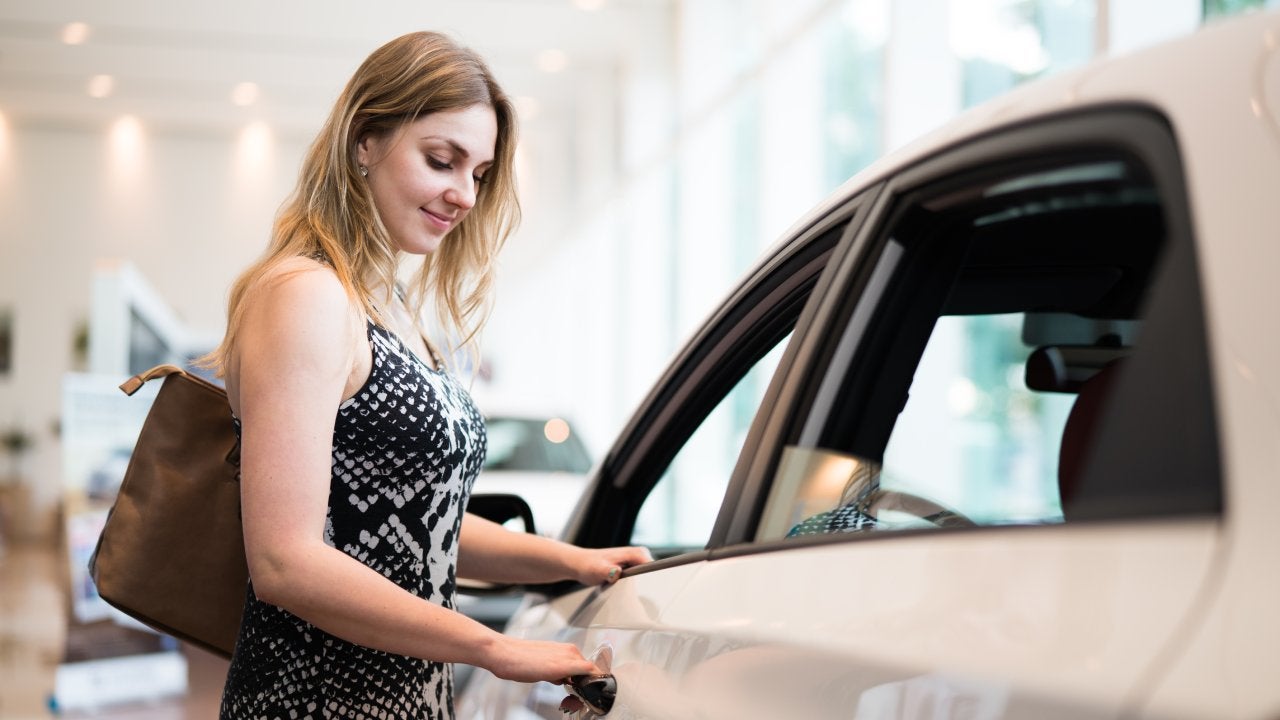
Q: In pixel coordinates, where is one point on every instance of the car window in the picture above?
(993, 442)
(1000, 365)
(663, 483)
(681, 509)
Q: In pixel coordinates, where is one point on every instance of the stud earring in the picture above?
(364, 171)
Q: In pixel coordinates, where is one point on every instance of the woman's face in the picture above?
(424, 177)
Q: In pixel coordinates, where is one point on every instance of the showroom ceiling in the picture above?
(185, 65)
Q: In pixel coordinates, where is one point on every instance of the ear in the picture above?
(365, 147)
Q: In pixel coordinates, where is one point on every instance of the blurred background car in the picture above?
(539, 458)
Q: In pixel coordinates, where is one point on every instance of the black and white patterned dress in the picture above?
(406, 449)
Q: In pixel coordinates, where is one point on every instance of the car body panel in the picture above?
(633, 614)
(1062, 618)
(1063, 612)
(1225, 664)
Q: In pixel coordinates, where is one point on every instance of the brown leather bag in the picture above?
(172, 553)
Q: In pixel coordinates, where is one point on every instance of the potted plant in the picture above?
(16, 442)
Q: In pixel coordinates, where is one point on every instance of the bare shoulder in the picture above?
(298, 305)
(300, 279)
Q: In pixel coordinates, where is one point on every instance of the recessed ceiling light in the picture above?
(101, 86)
(244, 94)
(75, 33)
(552, 60)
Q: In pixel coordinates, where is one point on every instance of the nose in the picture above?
(462, 194)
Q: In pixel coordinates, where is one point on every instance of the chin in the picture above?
(419, 245)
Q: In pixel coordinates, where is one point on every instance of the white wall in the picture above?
(187, 214)
(580, 326)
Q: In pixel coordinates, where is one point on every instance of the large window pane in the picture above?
(1217, 8)
(1002, 43)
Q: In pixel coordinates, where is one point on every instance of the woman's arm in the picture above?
(489, 552)
(296, 351)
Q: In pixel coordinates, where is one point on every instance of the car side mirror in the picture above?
(502, 508)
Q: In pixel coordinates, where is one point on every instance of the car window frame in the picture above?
(727, 345)
(1134, 128)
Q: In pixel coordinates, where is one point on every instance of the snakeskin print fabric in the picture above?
(406, 450)
(846, 518)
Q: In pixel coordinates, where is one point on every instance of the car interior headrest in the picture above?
(1066, 368)
(1080, 430)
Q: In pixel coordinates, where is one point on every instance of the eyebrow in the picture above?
(456, 147)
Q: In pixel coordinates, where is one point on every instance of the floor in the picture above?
(37, 635)
(34, 612)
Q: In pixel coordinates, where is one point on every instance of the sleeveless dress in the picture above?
(406, 450)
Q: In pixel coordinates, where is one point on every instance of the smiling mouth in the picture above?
(442, 221)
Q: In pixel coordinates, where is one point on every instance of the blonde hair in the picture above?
(330, 215)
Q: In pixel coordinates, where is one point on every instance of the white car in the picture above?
(1020, 455)
(541, 459)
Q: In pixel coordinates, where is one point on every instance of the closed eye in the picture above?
(438, 164)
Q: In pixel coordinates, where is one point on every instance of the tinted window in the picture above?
(986, 364)
(680, 511)
(664, 482)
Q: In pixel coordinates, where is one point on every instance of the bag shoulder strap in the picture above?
(132, 385)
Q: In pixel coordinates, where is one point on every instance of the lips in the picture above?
(441, 222)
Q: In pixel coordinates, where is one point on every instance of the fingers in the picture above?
(606, 566)
(625, 557)
(576, 663)
(637, 555)
(610, 576)
(534, 660)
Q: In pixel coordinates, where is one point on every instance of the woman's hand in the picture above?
(534, 660)
(492, 553)
(605, 565)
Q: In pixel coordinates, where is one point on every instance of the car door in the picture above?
(663, 481)
(948, 516)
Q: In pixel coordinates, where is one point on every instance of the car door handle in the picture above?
(597, 692)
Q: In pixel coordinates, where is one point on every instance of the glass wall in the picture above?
(781, 102)
(1003, 44)
(1219, 8)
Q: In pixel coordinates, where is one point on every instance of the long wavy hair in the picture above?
(330, 215)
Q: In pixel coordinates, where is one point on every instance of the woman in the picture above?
(358, 448)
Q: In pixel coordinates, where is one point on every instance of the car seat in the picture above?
(1079, 431)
